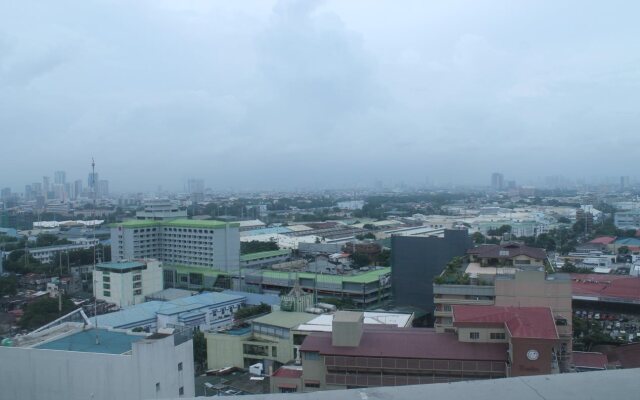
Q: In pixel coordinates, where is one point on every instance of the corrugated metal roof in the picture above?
(408, 343)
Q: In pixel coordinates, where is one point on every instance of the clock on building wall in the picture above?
(533, 355)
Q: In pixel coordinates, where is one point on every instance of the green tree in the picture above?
(255, 246)
(500, 231)
(478, 238)
(384, 258)
(43, 311)
(200, 351)
(8, 285)
(48, 239)
(246, 312)
(623, 250)
(360, 260)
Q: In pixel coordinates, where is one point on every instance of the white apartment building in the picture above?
(127, 283)
(627, 219)
(48, 254)
(70, 361)
(212, 244)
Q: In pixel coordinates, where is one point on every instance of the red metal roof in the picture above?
(288, 373)
(584, 359)
(522, 322)
(603, 240)
(408, 343)
(622, 287)
(508, 250)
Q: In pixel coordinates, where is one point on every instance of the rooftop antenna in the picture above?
(93, 226)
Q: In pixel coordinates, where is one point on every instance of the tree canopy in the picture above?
(43, 311)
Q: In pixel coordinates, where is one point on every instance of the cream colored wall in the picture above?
(533, 261)
(284, 348)
(314, 370)
(531, 289)
(485, 335)
(224, 350)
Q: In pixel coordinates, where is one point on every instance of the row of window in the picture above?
(190, 230)
(492, 335)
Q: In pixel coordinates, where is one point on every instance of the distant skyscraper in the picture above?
(46, 183)
(70, 190)
(58, 191)
(28, 192)
(103, 188)
(5, 193)
(60, 177)
(497, 181)
(624, 182)
(78, 188)
(195, 187)
(37, 188)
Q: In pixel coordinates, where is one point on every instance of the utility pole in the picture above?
(93, 225)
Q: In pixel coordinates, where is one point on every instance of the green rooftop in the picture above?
(186, 269)
(263, 254)
(285, 319)
(365, 277)
(121, 266)
(178, 223)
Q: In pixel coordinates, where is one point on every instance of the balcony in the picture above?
(442, 313)
(463, 301)
(464, 290)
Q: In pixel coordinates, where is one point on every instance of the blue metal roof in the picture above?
(145, 313)
(202, 300)
(254, 299)
(628, 242)
(109, 342)
(140, 314)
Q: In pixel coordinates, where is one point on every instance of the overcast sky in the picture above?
(284, 94)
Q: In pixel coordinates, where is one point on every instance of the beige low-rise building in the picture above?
(519, 289)
(275, 339)
(269, 340)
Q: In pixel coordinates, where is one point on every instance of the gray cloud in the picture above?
(294, 93)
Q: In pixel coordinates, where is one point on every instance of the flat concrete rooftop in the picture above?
(93, 341)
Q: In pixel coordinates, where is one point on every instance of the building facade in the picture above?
(161, 210)
(417, 260)
(127, 283)
(627, 219)
(77, 363)
(204, 311)
(517, 288)
(49, 254)
(489, 342)
(269, 341)
(363, 289)
(211, 244)
(355, 356)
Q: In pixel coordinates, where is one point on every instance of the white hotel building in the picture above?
(212, 244)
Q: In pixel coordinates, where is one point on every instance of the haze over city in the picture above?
(286, 94)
